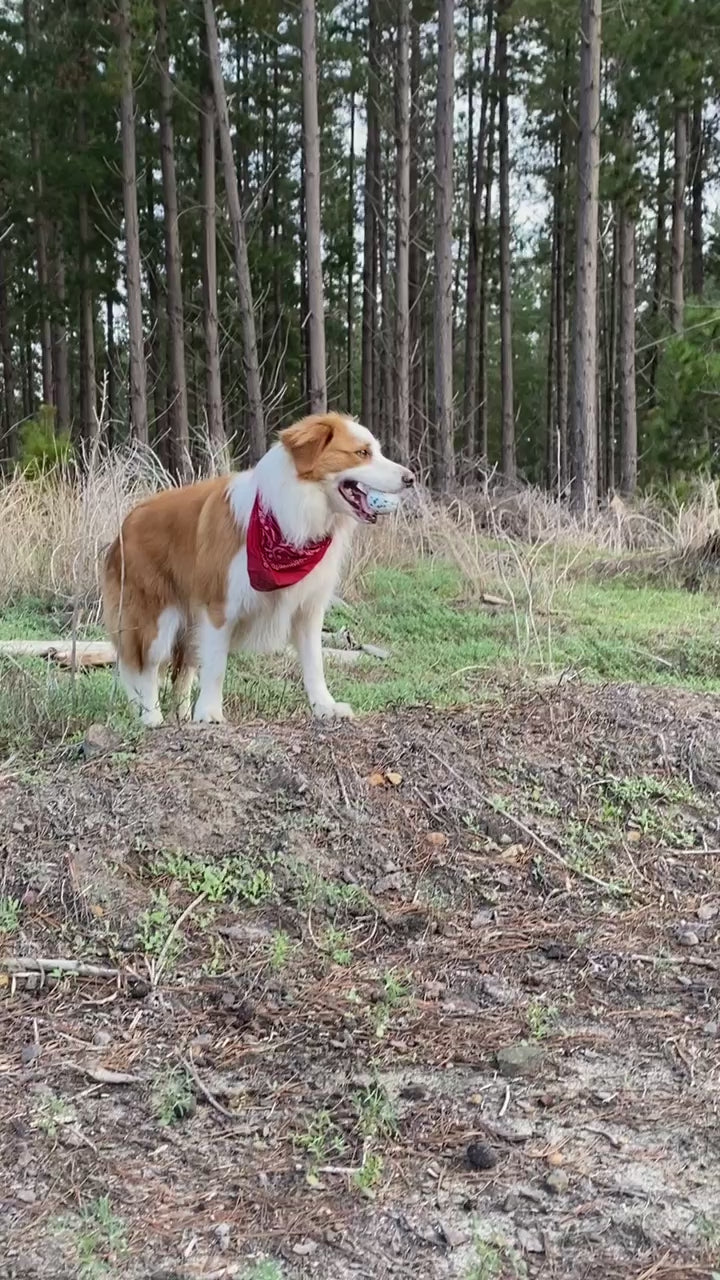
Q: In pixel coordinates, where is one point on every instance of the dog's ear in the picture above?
(306, 440)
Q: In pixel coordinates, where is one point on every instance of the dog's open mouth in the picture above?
(356, 497)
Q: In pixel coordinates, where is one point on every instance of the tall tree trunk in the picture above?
(385, 345)
(677, 281)
(659, 257)
(41, 224)
(350, 354)
(628, 408)
(213, 387)
(551, 449)
(311, 152)
(304, 304)
(402, 256)
(610, 322)
(481, 424)
(177, 378)
(89, 423)
(476, 184)
(444, 443)
(415, 252)
(507, 399)
(9, 437)
(585, 415)
(371, 218)
(138, 379)
(253, 384)
(110, 368)
(60, 362)
(561, 309)
(697, 188)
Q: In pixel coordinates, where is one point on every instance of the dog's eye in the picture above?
(362, 453)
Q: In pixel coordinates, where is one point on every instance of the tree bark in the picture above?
(628, 407)
(443, 310)
(697, 188)
(60, 363)
(481, 426)
(138, 377)
(561, 309)
(41, 224)
(242, 270)
(311, 151)
(659, 257)
(370, 226)
(585, 415)
(89, 424)
(507, 398)
(213, 386)
(177, 377)
(415, 254)
(677, 281)
(402, 263)
(476, 184)
(9, 436)
(110, 367)
(350, 350)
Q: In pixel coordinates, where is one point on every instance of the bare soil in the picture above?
(334, 1029)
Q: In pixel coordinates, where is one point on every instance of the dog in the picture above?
(244, 561)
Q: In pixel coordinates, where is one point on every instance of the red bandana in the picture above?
(273, 562)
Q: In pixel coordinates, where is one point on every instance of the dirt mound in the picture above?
(428, 994)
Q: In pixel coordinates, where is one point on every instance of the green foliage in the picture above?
(682, 432)
(42, 449)
(173, 1097)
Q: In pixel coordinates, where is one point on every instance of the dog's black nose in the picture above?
(408, 477)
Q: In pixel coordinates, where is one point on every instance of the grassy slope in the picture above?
(445, 650)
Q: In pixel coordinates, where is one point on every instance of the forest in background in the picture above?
(490, 229)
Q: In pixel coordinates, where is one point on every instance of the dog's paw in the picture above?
(208, 715)
(333, 711)
(184, 711)
(152, 719)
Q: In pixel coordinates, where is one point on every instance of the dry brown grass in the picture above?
(53, 531)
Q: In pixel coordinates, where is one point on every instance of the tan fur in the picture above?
(323, 445)
(174, 549)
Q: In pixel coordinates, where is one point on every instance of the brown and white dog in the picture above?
(245, 561)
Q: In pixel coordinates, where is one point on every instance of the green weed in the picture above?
(9, 914)
(173, 1096)
(321, 1140)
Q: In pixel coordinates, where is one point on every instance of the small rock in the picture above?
(102, 1039)
(511, 1203)
(375, 652)
(29, 1053)
(530, 1241)
(519, 1060)
(497, 990)
(99, 740)
(390, 867)
(413, 1092)
(557, 1182)
(388, 884)
(555, 1159)
(26, 1196)
(706, 912)
(222, 1236)
(304, 1248)
(516, 1130)
(433, 990)
(482, 918)
(480, 1155)
(452, 1236)
(711, 1028)
(688, 938)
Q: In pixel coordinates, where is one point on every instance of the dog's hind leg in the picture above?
(183, 677)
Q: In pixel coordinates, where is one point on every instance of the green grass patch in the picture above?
(444, 651)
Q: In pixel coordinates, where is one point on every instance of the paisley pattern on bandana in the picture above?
(272, 562)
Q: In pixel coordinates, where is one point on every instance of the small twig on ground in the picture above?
(526, 831)
(190, 1067)
(701, 961)
(102, 1075)
(35, 964)
(506, 1102)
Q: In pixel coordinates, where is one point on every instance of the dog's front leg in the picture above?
(307, 639)
(213, 644)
